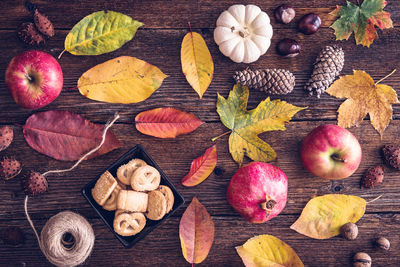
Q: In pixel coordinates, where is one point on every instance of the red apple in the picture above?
(258, 191)
(331, 152)
(34, 79)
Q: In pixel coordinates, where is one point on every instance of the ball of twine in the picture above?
(67, 239)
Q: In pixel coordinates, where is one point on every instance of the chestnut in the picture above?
(309, 23)
(288, 47)
(284, 14)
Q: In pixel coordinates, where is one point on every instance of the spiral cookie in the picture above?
(169, 196)
(103, 188)
(132, 201)
(157, 205)
(124, 172)
(145, 178)
(128, 224)
(111, 202)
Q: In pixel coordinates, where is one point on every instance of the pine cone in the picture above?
(392, 155)
(272, 81)
(28, 33)
(327, 67)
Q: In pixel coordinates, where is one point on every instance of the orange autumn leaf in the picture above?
(166, 122)
(363, 96)
(196, 232)
(201, 167)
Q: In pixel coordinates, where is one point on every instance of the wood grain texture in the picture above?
(158, 43)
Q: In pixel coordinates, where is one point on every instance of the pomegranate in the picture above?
(258, 191)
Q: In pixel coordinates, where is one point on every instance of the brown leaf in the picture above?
(196, 231)
(66, 136)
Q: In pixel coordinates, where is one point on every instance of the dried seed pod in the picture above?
(43, 24)
(9, 168)
(362, 259)
(349, 231)
(34, 184)
(28, 34)
(6, 137)
(373, 177)
(392, 155)
(382, 243)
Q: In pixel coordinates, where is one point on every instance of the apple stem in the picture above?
(268, 205)
(337, 158)
(59, 56)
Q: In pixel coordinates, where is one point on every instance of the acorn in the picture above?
(9, 168)
(6, 137)
(34, 184)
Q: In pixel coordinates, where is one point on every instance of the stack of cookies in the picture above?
(134, 195)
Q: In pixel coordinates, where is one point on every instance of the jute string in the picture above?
(51, 240)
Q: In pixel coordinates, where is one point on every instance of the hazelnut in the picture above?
(284, 14)
(382, 243)
(288, 47)
(309, 23)
(349, 231)
(362, 259)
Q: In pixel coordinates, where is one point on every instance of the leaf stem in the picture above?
(190, 27)
(375, 199)
(387, 76)
(59, 56)
(215, 138)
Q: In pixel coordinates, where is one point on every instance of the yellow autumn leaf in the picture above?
(323, 216)
(363, 97)
(197, 63)
(121, 80)
(268, 251)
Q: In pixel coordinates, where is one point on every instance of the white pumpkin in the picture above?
(243, 33)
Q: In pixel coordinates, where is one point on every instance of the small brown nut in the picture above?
(382, 243)
(284, 14)
(362, 259)
(349, 231)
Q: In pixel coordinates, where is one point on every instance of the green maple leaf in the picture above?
(361, 20)
(246, 125)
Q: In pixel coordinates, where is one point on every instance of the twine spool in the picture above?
(67, 239)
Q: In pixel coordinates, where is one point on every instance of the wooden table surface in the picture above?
(158, 42)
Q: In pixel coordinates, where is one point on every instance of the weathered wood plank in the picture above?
(175, 155)
(162, 14)
(162, 48)
(229, 233)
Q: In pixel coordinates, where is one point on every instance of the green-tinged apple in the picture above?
(34, 79)
(331, 152)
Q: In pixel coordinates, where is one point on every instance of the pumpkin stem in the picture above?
(244, 33)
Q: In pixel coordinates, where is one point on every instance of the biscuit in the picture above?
(132, 201)
(111, 202)
(145, 178)
(157, 205)
(169, 196)
(103, 188)
(128, 224)
(124, 172)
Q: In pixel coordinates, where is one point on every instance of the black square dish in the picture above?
(108, 216)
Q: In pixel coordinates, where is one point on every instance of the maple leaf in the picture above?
(247, 124)
(363, 97)
(361, 20)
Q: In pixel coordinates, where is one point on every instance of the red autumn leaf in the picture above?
(196, 232)
(201, 167)
(66, 136)
(166, 122)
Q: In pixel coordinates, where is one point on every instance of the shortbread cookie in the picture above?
(111, 203)
(128, 224)
(132, 201)
(157, 205)
(169, 196)
(103, 188)
(124, 172)
(145, 178)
